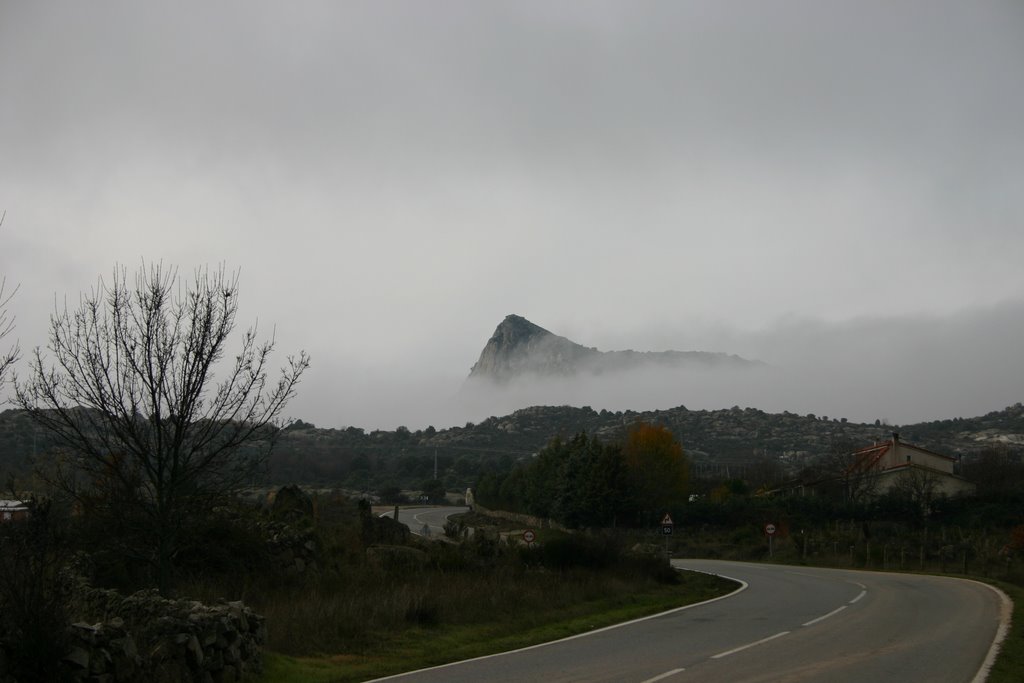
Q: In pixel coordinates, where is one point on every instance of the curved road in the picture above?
(785, 624)
(426, 520)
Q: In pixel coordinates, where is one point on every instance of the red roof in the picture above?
(866, 458)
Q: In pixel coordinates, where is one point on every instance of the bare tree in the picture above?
(996, 470)
(849, 470)
(920, 486)
(7, 358)
(154, 437)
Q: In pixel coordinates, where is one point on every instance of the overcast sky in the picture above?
(835, 188)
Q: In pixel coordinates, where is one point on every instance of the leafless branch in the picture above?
(10, 356)
(130, 387)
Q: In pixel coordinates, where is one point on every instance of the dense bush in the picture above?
(574, 551)
(584, 483)
(34, 594)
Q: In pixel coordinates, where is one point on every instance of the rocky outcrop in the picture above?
(382, 530)
(520, 348)
(292, 550)
(291, 502)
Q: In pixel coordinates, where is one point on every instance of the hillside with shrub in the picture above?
(729, 443)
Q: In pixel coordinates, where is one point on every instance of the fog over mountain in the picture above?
(832, 189)
(901, 370)
(520, 350)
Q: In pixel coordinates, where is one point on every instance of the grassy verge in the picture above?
(422, 647)
(1009, 665)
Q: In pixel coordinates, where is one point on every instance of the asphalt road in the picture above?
(427, 520)
(786, 624)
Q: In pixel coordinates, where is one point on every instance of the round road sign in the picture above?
(529, 536)
(769, 529)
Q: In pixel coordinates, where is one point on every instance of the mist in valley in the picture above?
(896, 370)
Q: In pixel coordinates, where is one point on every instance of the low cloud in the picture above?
(900, 370)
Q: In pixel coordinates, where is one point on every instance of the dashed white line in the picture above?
(813, 576)
(825, 616)
(673, 672)
(743, 586)
(741, 648)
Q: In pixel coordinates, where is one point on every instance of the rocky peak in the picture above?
(520, 347)
(515, 330)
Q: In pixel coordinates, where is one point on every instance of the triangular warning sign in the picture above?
(667, 520)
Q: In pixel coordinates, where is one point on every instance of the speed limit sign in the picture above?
(769, 529)
(529, 536)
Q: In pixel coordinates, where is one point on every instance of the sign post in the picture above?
(770, 530)
(667, 527)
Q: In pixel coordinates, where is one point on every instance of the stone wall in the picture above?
(144, 637)
(524, 519)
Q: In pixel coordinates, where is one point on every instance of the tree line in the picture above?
(583, 482)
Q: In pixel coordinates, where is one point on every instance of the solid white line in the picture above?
(743, 586)
(673, 672)
(862, 594)
(1005, 611)
(741, 648)
(825, 616)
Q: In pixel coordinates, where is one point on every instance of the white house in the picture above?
(898, 463)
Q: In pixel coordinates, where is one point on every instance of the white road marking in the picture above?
(825, 616)
(862, 594)
(673, 672)
(741, 648)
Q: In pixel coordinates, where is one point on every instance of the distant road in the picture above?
(792, 624)
(433, 516)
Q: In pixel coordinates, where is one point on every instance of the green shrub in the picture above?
(224, 546)
(574, 551)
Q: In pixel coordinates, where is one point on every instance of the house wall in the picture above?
(12, 510)
(900, 454)
(951, 487)
(945, 484)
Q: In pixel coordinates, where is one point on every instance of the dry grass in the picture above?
(500, 617)
(356, 605)
(356, 615)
